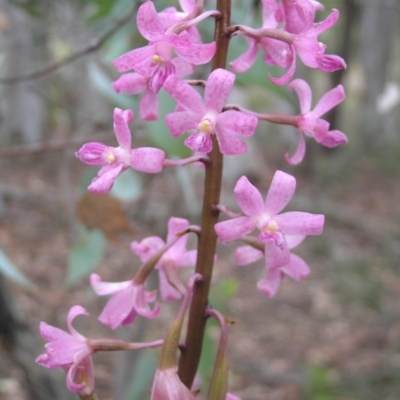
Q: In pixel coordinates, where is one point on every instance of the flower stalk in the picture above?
(190, 357)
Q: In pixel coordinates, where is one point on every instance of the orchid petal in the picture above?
(294, 240)
(248, 197)
(131, 83)
(329, 100)
(140, 59)
(74, 375)
(229, 144)
(188, 6)
(147, 159)
(219, 85)
(234, 229)
(51, 333)
(299, 15)
(333, 139)
(276, 256)
(303, 90)
(148, 22)
(199, 142)
(121, 127)
(168, 386)
(280, 192)
(105, 180)
(92, 153)
(147, 247)
(175, 226)
(167, 291)
(323, 26)
(238, 122)
(300, 223)
(182, 67)
(245, 61)
(269, 285)
(296, 268)
(197, 53)
(141, 304)
(330, 63)
(288, 75)
(298, 155)
(118, 308)
(74, 312)
(104, 288)
(277, 52)
(247, 254)
(148, 106)
(184, 94)
(270, 7)
(186, 259)
(181, 122)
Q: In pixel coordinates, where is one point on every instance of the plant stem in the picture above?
(190, 357)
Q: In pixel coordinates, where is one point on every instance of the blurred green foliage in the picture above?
(85, 254)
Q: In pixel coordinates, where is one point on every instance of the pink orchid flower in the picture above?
(296, 268)
(175, 257)
(129, 300)
(154, 60)
(264, 216)
(207, 118)
(70, 351)
(190, 9)
(134, 83)
(312, 52)
(275, 52)
(230, 396)
(299, 14)
(168, 386)
(118, 159)
(309, 123)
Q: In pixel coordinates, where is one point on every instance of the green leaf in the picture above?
(221, 294)
(85, 254)
(142, 377)
(102, 82)
(8, 269)
(127, 186)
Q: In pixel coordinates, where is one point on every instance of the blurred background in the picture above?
(334, 336)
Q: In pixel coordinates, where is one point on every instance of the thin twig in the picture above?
(92, 47)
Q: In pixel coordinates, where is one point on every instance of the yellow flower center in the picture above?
(272, 227)
(110, 158)
(205, 126)
(157, 59)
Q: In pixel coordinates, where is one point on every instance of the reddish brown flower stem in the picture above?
(283, 119)
(190, 356)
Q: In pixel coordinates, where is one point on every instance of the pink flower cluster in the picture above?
(298, 35)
